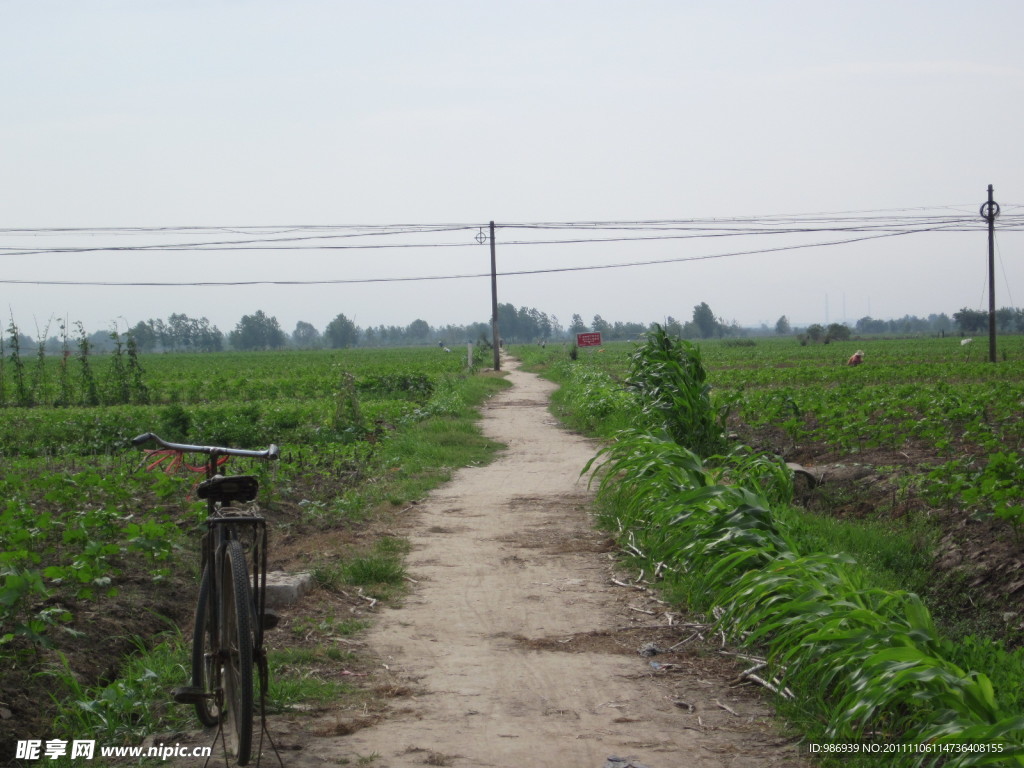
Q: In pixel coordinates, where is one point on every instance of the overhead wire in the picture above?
(870, 225)
(344, 281)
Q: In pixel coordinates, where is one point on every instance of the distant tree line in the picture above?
(975, 321)
(522, 325)
(262, 331)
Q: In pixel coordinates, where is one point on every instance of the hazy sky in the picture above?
(230, 114)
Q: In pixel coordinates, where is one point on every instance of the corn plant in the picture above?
(672, 383)
(867, 660)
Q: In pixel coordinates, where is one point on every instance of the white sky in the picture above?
(221, 112)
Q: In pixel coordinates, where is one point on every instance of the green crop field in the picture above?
(916, 521)
(882, 582)
(99, 547)
(933, 390)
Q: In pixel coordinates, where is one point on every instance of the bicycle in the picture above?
(231, 614)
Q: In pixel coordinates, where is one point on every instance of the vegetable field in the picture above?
(98, 545)
(882, 582)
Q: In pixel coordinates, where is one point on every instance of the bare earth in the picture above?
(517, 648)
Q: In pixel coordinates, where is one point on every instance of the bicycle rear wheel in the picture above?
(205, 668)
(236, 640)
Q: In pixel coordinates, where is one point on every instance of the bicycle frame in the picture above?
(231, 609)
(222, 528)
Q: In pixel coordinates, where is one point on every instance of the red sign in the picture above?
(588, 339)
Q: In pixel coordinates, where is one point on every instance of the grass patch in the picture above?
(893, 554)
(132, 707)
(373, 570)
(408, 463)
(380, 572)
(138, 703)
(332, 627)
(301, 676)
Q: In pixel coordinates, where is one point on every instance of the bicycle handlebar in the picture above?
(273, 452)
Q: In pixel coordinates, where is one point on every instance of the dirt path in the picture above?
(517, 647)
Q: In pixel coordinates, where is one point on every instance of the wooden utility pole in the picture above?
(989, 211)
(495, 333)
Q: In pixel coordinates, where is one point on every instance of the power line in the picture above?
(348, 281)
(872, 224)
(292, 244)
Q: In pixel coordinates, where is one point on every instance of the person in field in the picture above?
(856, 358)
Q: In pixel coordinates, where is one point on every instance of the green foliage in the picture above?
(373, 570)
(380, 572)
(862, 662)
(22, 391)
(671, 382)
(128, 709)
(291, 684)
(174, 423)
(592, 400)
(257, 331)
(71, 541)
(414, 385)
(870, 657)
(341, 332)
(348, 418)
(766, 475)
(1000, 486)
(89, 386)
(84, 524)
(996, 488)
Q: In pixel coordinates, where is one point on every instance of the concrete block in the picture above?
(287, 588)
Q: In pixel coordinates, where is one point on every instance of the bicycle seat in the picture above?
(228, 488)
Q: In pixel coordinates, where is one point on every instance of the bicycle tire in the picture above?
(237, 646)
(206, 672)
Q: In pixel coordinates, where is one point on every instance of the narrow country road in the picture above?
(518, 648)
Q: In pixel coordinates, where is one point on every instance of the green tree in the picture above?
(305, 335)
(816, 332)
(341, 333)
(527, 324)
(941, 323)
(418, 331)
(145, 336)
(601, 325)
(1006, 319)
(870, 325)
(257, 331)
(508, 322)
(673, 327)
(577, 325)
(208, 338)
(542, 324)
(180, 329)
(782, 326)
(971, 320)
(623, 331)
(837, 332)
(704, 319)
(180, 332)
